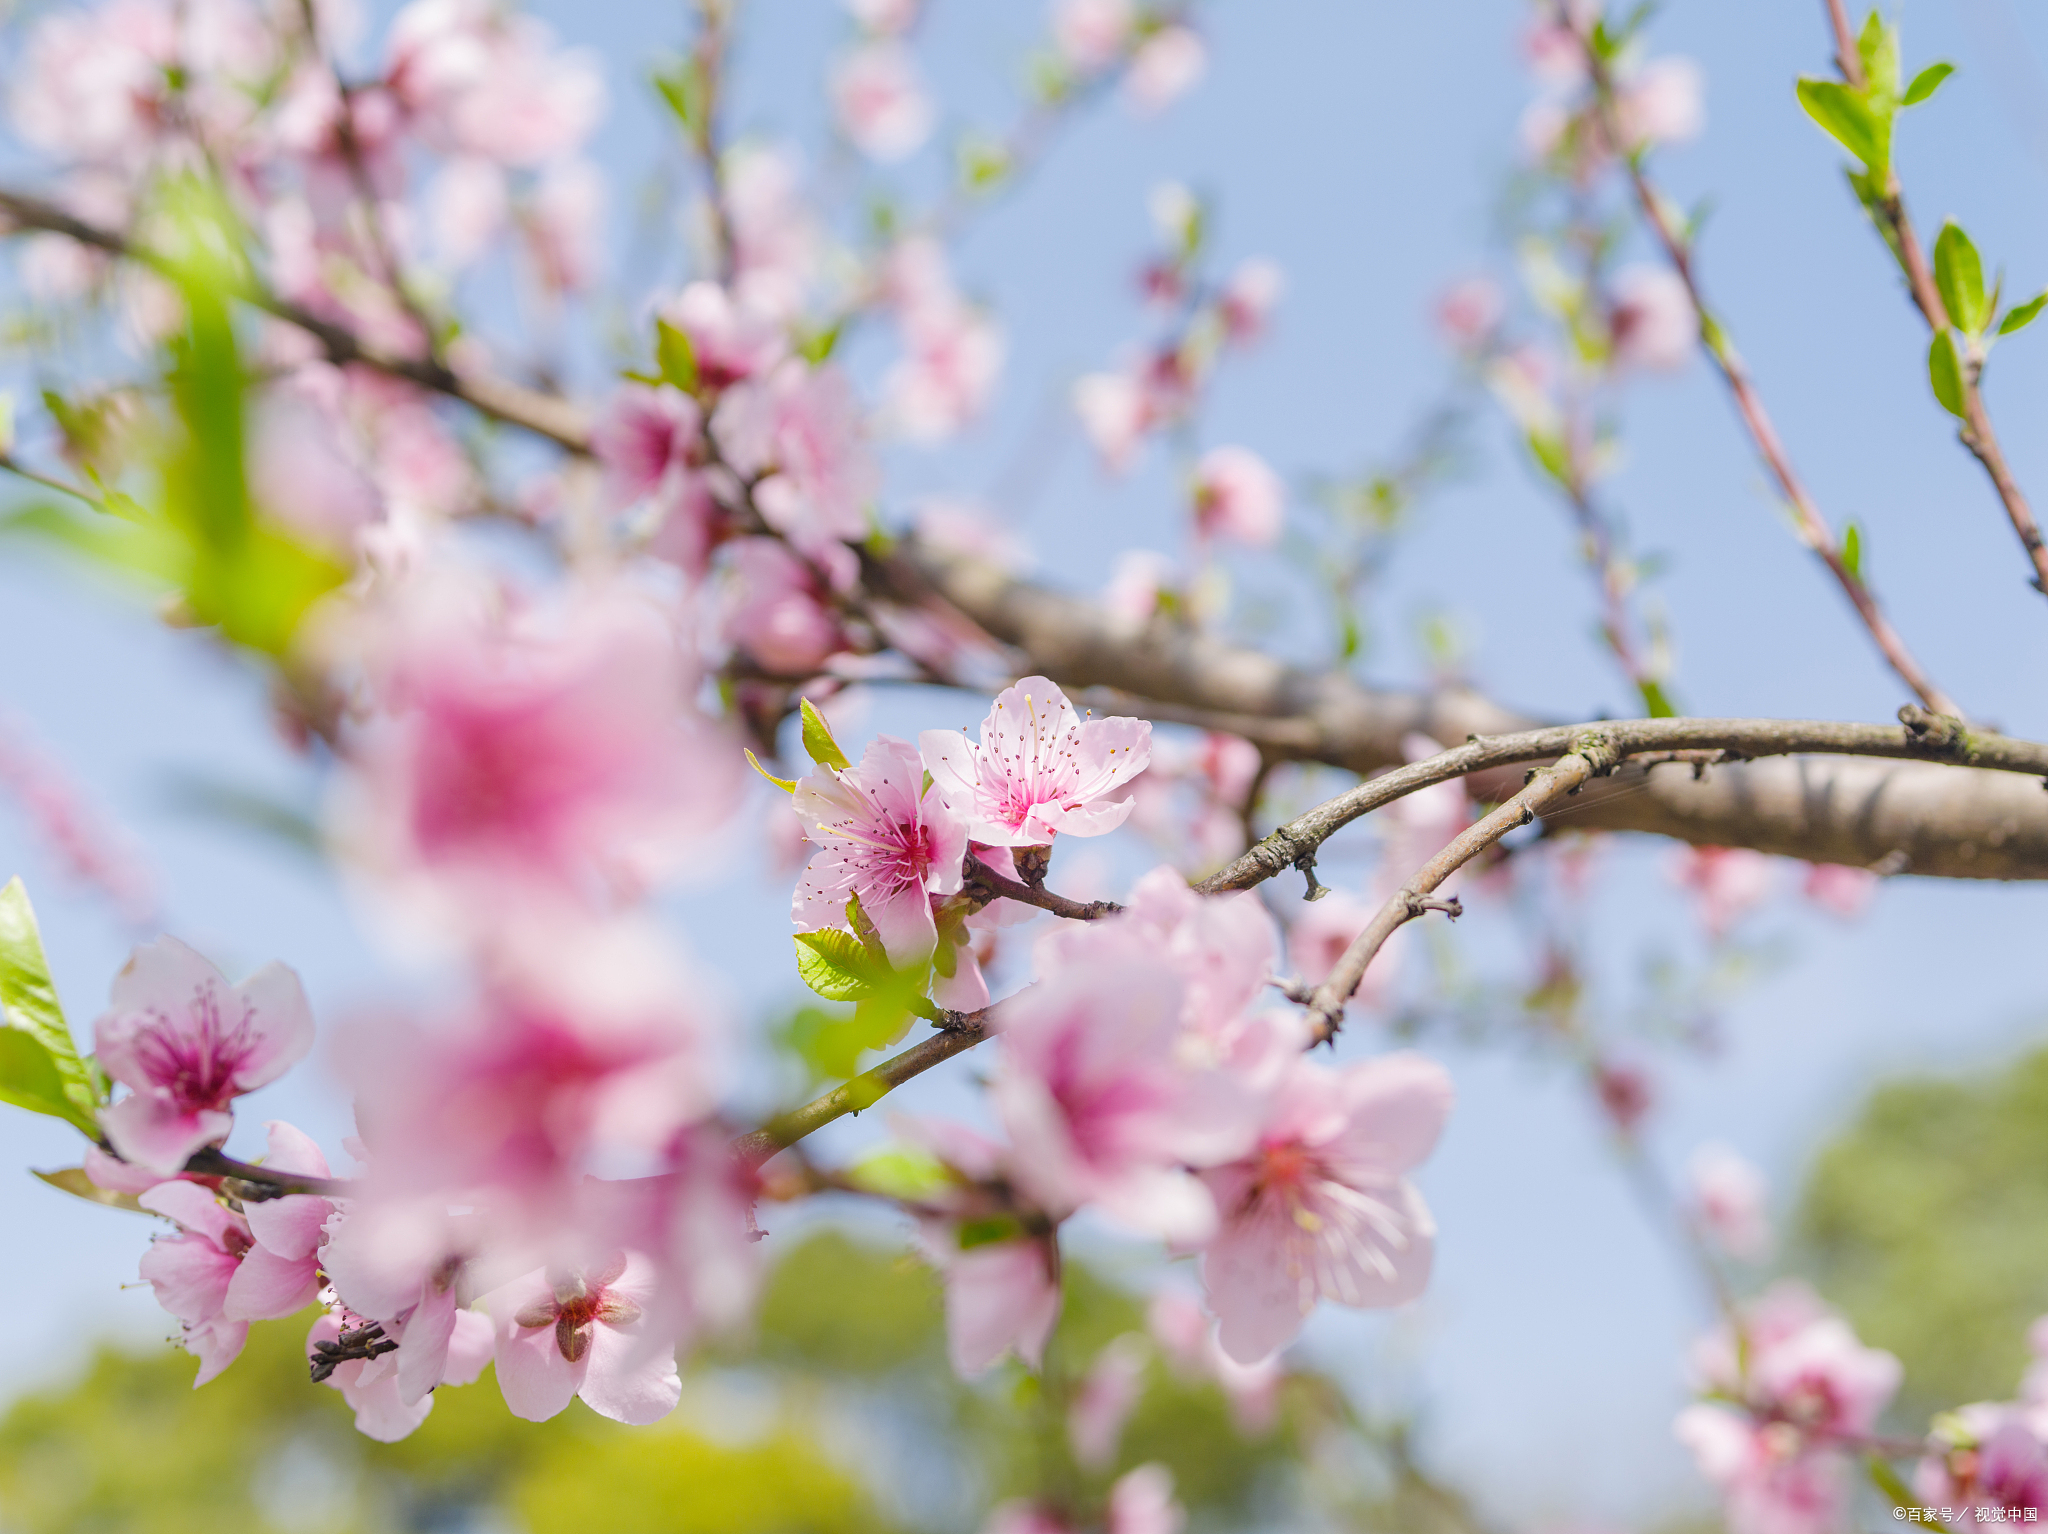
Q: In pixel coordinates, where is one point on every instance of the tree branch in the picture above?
(1593, 753)
(1942, 821)
(560, 420)
(1691, 743)
(1813, 528)
(864, 1090)
(979, 873)
(1977, 434)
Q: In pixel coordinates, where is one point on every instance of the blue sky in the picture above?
(1362, 145)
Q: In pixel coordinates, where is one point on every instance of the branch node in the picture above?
(1305, 862)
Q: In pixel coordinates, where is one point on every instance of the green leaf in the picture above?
(72, 1180)
(836, 964)
(1926, 83)
(1945, 372)
(683, 87)
(29, 1077)
(28, 999)
(1001, 1227)
(1551, 455)
(1879, 47)
(1850, 119)
(1656, 703)
(900, 1171)
(1960, 276)
(830, 1043)
(818, 740)
(1852, 550)
(677, 358)
(817, 345)
(2022, 315)
(787, 785)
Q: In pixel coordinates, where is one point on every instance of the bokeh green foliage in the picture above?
(1927, 1222)
(193, 530)
(848, 1332)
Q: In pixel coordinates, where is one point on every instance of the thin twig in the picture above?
(1977, 434)
(965, 1030)
(549, 415)
(980, 873)
(1813, 528)
(1592, 755)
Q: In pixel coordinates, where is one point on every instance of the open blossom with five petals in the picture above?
(571, 1332)
(188, 1044)
(193, 1271)
(882, 835)
(1320, 1207)
(1038, 768)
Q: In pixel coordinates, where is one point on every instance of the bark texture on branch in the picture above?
(1918, 817)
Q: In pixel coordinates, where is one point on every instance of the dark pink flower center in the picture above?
(197, 1058)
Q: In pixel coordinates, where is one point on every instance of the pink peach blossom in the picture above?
(1096, 1103)
(1652, 318)
(1320, 1209)
(1187, 1337)
(1109, 1393)
(1001, 1297)
(567, 1332)
(887, 17)
(775, 612)
(1238, 496)
(1468, 311)
(564, 227)
(1991, 1458)
(1037, 769)
(730, 340)
(1116, 411)
(1141, 1502)
(1662, 102)
(384, 1410)
(280, 1274)
(193, 1271)
(480, 80)
(776, 242)
(1167, 65)
(542, 752)
(1771, 1483)
(880, 101)
(1092, 34)
(881, 835)
(1728, 881)
(1728, 1195)
(1839, 890)
(797, 433)
(187, 1044)
(955, 355)
(1249, 297)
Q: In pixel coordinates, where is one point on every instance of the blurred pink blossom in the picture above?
(1840, 890)
(1167, 65)
(1729, 882)
(880, 101)
(568, 1332)
(1109, 1393)
(1468, 310)
(1652, 318)
(1249, 298)
(775, 612)
(1729, 1196)
(1238, 496)
(1092, 34)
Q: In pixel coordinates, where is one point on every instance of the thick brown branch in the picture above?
(1703, 742)
(1593, 754)
(862, 1091)
(1935, 819)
